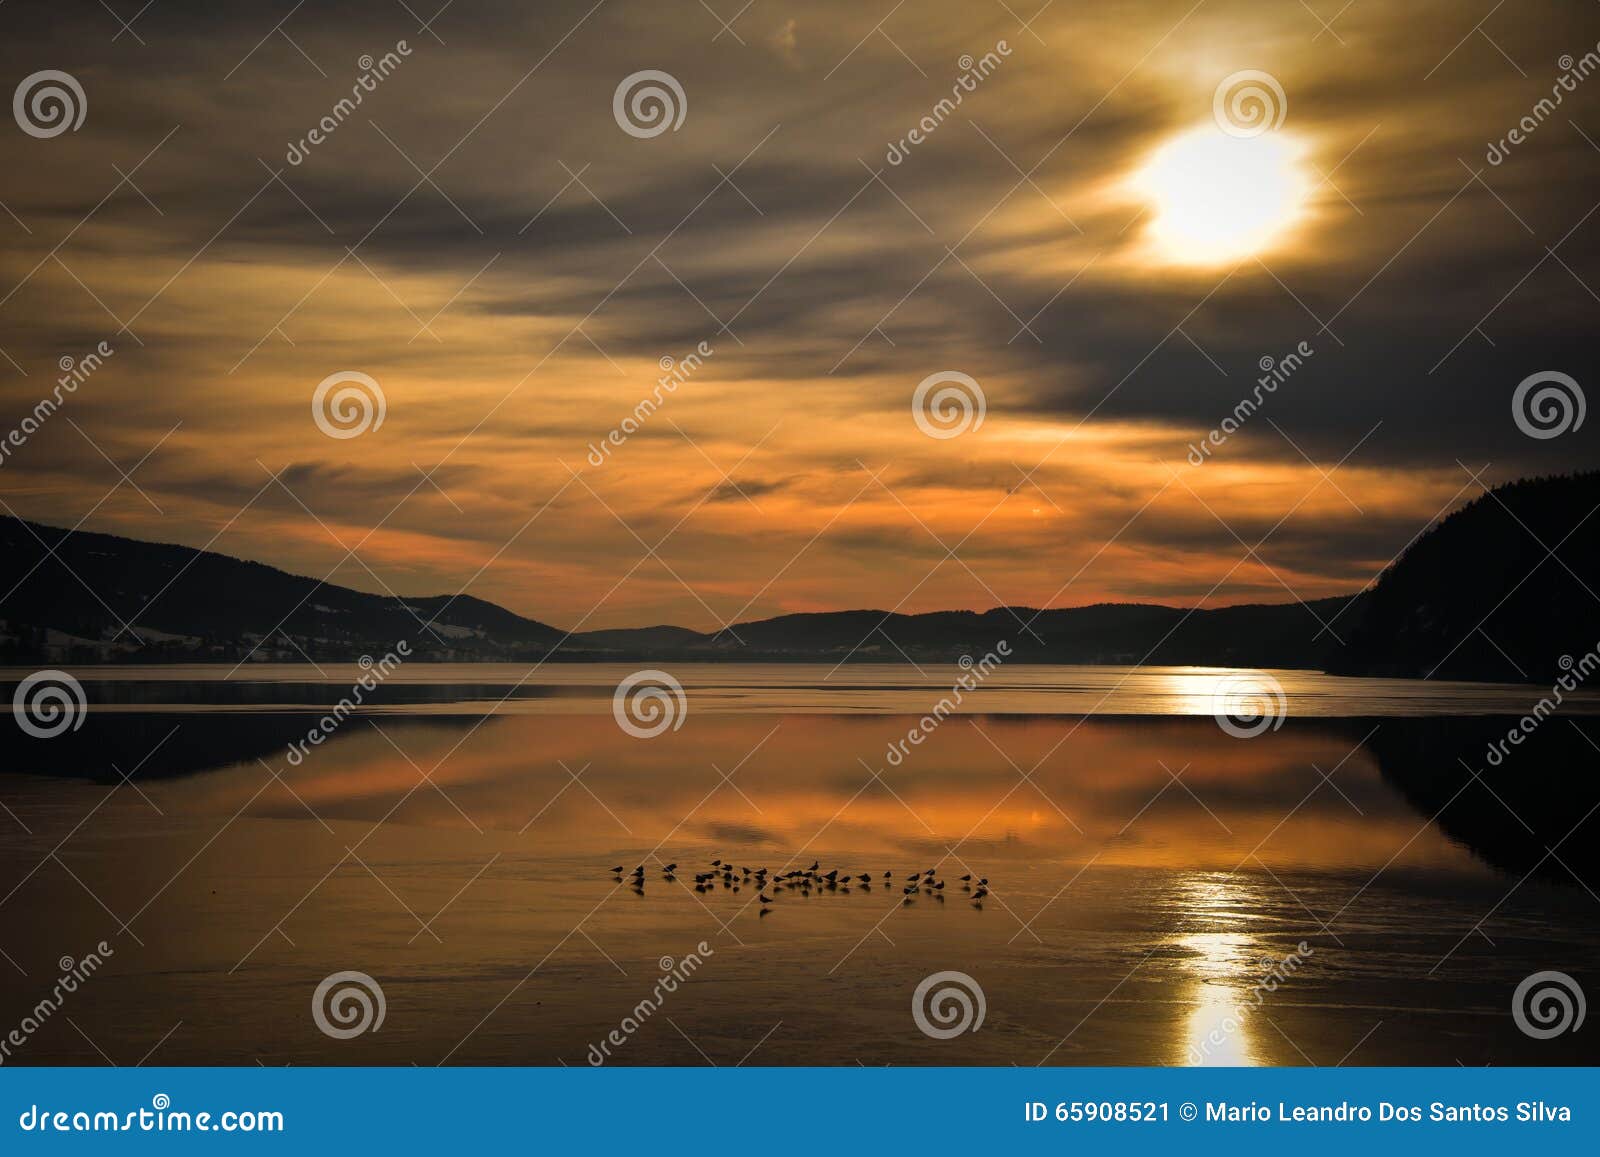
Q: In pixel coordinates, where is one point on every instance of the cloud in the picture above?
(484, 240)
(785, 43)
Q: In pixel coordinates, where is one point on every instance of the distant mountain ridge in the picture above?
(181, 604)
(1488, 560)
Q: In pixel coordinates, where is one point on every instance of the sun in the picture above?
(1218, 198)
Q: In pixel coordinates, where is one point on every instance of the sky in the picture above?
(1095, 242)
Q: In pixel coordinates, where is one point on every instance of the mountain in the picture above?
(65, 597)
(1524, 559)
(1263, 635)
(1506, 587)
(68, 595)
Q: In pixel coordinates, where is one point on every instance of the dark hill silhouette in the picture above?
(1488, 561)
(1536, 812)
(1481, 596)
(1257, 635)
(188, 605)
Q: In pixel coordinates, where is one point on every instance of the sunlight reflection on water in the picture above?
(803, 688)
(1225, 968)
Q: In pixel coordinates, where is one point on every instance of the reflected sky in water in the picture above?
(1176, 792)
(1152, 875)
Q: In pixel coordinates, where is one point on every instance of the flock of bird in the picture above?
(806, 880)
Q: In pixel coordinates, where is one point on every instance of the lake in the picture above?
(1352, 877)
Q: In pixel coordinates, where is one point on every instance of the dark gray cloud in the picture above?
(521, 265)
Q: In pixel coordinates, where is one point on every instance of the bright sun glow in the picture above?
(1219, 198)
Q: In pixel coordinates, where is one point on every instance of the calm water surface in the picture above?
(1362, 884)
(570, 688)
